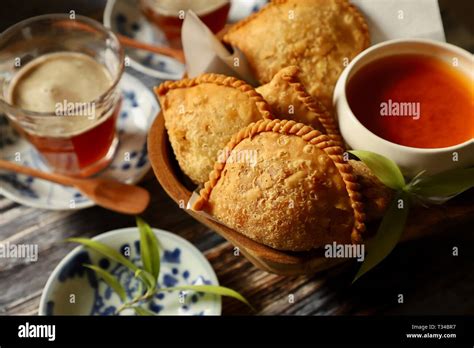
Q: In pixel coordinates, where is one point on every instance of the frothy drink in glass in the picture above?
(80, 131)
(59, 87)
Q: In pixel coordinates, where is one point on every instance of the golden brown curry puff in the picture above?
(318, 36)
(296, 194)
(289, 100)
(202, 114)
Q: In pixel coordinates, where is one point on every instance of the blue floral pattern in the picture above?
(125, 18)
(181, 264)
(171, 277)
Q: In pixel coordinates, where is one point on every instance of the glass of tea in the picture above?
(59, 78)
(168, 15)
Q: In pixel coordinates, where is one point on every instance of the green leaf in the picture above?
(116, 256)
(388, 234)
(142, 311)
(106, 251)
(110, 280)
(147, 278)
(383, 168)
(139, 290)
(211, 289)
(150, 252)
(445, 184)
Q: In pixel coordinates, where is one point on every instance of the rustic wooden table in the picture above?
(431, 279)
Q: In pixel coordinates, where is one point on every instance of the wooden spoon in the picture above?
(129, 42)
(110, 194)
(167, 51)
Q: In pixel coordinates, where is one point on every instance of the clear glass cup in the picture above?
(77, 140)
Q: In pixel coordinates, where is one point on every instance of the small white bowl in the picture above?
(74, 290)
(410, 159)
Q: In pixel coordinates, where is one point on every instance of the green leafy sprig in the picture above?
(148, 275)
(427, 189)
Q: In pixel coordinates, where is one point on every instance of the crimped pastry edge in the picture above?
(311, 136)
(313, 105)
(220, 80)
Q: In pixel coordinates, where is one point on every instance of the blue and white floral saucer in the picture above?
(124, 17)
(74, 290)
(138, 110)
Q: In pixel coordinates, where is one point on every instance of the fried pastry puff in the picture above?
(289, 100)
(202, 114)
(296, 194)
(318, 36)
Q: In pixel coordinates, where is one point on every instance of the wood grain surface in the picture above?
(431, 279)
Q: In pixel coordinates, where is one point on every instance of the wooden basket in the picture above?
(173, 181)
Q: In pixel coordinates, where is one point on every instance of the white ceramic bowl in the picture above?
(181, 264)
(411, 160)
